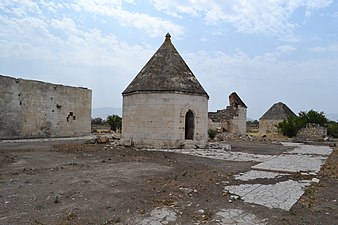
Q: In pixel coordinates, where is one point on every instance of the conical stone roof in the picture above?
(278, 111)
(166, 71)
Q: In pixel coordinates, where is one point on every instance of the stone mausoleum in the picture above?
(165, 106)
(35, 109)
(270, 119)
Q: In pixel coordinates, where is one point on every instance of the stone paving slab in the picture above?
(256, 174)
(281, 195)
(292, 163)
(238, 217)
(220, 154)
(158, 216)
(312, 150)
(167, 215)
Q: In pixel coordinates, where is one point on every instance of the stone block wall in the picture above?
(312, 132)
(34, 109)
(268, 126)
(158, 119)
(236, 124)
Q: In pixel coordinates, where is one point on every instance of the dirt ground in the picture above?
(71, 182)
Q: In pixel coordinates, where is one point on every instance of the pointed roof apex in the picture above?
(166, 71)
(278, 111)
(167, 37)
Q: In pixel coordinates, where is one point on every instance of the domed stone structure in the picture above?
(165, 106)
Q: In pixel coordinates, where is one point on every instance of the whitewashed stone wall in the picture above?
(158, 119)
(32, 109)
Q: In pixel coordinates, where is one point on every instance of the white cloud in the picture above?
(287, 49)
(308, 14)
(33, 38)
(264, 80)
(250, 16)
(317, 4)
(66, 24)
(333, 48)
(177, 7)
(318, 49)
(154, 26)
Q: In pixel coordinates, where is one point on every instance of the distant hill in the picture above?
(332, 116)
(105, 111)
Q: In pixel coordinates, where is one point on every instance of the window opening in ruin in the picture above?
(71, 114)
(189, 125)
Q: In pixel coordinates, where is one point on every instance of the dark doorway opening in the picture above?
(189, 125)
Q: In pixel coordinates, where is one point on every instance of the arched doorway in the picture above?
(189, 125)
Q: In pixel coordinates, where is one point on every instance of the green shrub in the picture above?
(97, 121)
(291, 125)
(332, 129)
(115, 122)
(212, 133)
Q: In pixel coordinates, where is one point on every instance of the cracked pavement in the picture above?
(281, 194)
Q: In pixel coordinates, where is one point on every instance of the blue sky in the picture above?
(265, 50)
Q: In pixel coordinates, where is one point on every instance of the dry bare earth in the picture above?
(76, 183)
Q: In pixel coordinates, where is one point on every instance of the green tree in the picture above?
(291, 125)
(313, 117)
(97, 120)
(253, 122)
(115, 122)
(332, 129)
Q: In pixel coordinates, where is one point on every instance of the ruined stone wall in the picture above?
(236, 124)
(268, 126)
(33, 109)
(158, 119)
(312, 132)
(214, 125)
